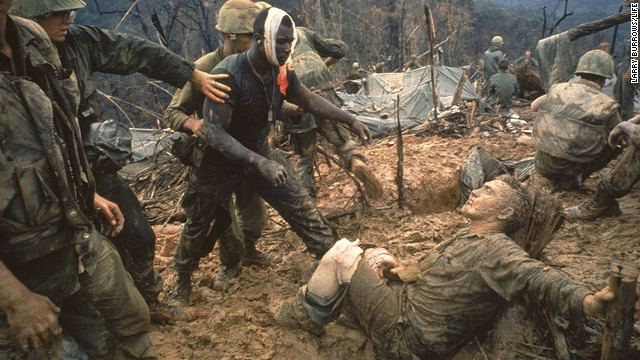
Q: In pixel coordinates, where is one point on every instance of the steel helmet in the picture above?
(596, 62)
(497, 40)
(35, 8)
(237, 16)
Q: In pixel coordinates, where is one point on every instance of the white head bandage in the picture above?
(271, 26)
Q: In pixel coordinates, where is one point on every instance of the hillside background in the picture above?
(376, 30)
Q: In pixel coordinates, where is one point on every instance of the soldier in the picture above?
(492, 56)
(184, 113)
(313, 72)
(572, 126)
(502, 87)
(527, 62)
(51, 256)
(616, 183)
(88, 49)
(457, 288)
(236, 132)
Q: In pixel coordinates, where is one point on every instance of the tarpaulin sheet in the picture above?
(374, 104)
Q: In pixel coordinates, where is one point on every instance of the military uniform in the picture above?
(249, 213)
(250, 124)
(461, 285)
(530, 63)
(312, 72)
(626, 172)
(502, 87)
(88, 49)
(571, 131)
(491, 58)
(49, 241)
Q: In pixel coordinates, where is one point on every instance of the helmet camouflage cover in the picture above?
(596, 62)
(497, 40)
(35, 8)
(237, 16)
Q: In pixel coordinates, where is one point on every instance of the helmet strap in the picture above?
(234, 44)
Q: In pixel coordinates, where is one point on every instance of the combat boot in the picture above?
(372, 185)
(163, 313)
(223, 277)
(182, 292)
(293, 315)
(601, 204)
(253, 256)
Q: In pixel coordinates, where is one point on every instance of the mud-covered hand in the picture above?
(622, 133)
(361, 131)
(209, 86)
(596, 304)
(33, 321)
(196, 126)
(111, 217)
(381, 261)
(275, 173)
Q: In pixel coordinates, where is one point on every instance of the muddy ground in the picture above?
(236, 323)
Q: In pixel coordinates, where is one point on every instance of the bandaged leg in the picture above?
(335, 269)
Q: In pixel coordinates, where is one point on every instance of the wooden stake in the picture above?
(399, 147)
(432, 37)
(457, 95)
(618, 326)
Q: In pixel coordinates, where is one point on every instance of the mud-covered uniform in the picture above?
(502, 87)
(626, 172)
(312, 72)
(251, 212)
(250, 126)
(49, 241)
(88, 49)
(571, 131)
(461, 285)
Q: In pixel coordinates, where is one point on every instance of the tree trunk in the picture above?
(598, 25)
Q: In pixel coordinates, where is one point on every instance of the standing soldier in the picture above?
(491, 58)
(527, 62)
(52, 258)
(88, 49)
(313, 72)
(184, 113)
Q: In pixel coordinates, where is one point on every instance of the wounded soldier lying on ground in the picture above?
(460, 286)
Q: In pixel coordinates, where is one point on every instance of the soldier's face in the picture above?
(57, 24)
(284, 39)
(488, 201)
(243, 42)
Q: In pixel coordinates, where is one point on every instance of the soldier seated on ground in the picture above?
(618, 182)
(461, 285)
(502, 87)
(573, 124)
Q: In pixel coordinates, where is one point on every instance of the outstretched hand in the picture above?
(596, 304)
(112, 220)
(207, 84)
(361, 131)
(622, 133)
